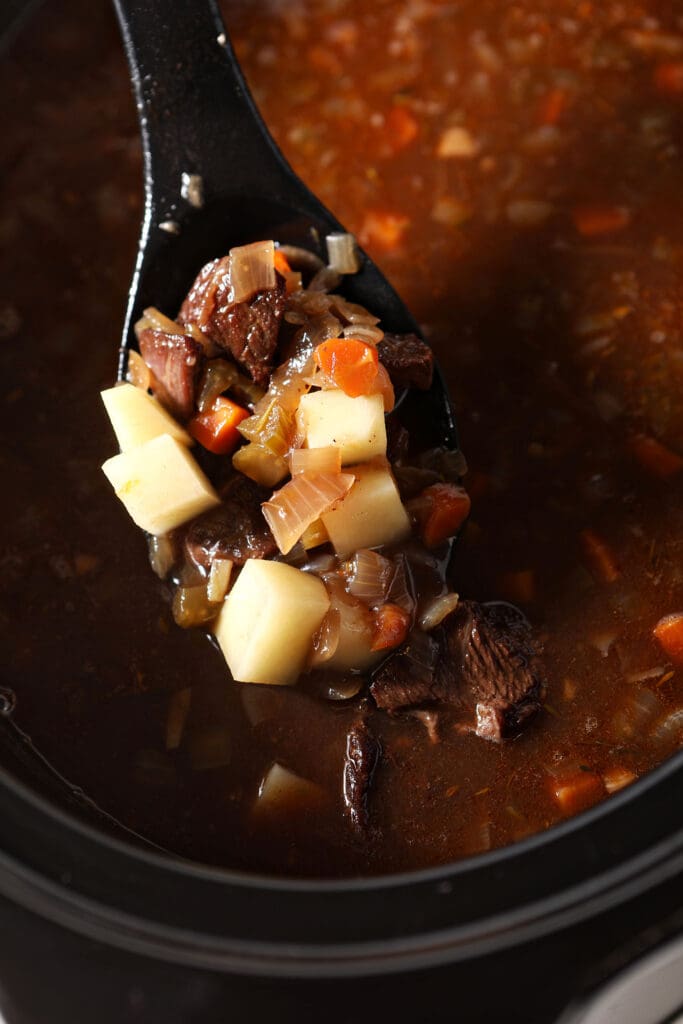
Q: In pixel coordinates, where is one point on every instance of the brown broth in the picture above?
(556, 315)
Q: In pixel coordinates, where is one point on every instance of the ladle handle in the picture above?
(197, 116)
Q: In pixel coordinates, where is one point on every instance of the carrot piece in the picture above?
(282, 264)
(575, 792)
(401, 128)
(350, 363)
(440, 510)
(383, 230)
(591, 221)
(552, 106)
(598, 557)
(669, 632)
(655, 457)
(391, 627)
(667, 78)
(216, 428)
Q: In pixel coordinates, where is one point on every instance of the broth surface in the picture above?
(516, 171)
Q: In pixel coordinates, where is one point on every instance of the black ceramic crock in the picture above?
(95, 928)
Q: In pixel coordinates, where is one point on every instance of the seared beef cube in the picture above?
(176, 361)
(409, 677)
(409, 362)
(491, 659)
(235, 529)
(484, 662)
(248, 330)
(363, 751)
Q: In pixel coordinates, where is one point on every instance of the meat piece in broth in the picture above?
(235, 529)
(484, 661)
(409, 362)
(176, 361)
(363, 752)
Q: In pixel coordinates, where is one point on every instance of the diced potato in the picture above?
(371, 513)
(266, 625)
(356, 633)
(137, 417)
(160, 484)
(356, 425)
(281, 790)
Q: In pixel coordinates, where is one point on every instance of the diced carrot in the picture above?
(391, 627)
(383, 230)
(350, 363)
(216, 428)
(576, 791)
(667, 78)
(591, 221)
(655, 457)
(282, 264)
(598, 557)
(440, 510)
(669, 632)
(552, 106)
(401, 128)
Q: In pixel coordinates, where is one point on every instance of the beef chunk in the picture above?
(176, 361)
(363, 751)
(409, 677)
(248, 330)
(409, 362)
(235, 529)
(484, 661)
(491, 657)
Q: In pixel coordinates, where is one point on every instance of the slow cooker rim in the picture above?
(430, 936)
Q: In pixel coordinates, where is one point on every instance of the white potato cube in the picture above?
(356, 425)
(267, 623)
(137, 417)
(356, 633)
(282, 790)
(371, 513)
(160, 484)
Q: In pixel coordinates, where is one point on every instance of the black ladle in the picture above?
(198, 118)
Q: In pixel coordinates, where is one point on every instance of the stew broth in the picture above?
(516, 171)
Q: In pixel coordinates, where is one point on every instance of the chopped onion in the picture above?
(326, 640)
(640, 707)
(260, 465)
(252, 269)
(154, 318)
(668, 728)
(220, 376)
(437, 610)
(219, 579)
(300, 502)
(162, 554)
(191, 607)
(342, 253)
(176, 717)
(369, 575)
(314, 535)
(138, 372)
(325, 280)
(364, 332)
(301, 259)
(400, 588)
(315, 460)
(351, 312)
(616, 778)
(344, 688)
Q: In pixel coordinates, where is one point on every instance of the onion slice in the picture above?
(293, 508)
(252, 269)
(342, 254)
(369, 575)
(315, 460)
